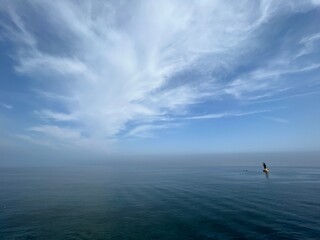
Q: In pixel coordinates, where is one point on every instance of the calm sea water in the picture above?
(159, 201)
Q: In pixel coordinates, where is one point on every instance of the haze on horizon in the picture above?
(92, 78)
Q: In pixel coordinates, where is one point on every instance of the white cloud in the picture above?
(55, 116)
(309, 44)
(316, 2)
(115, 62)
(267, 79)
(225, 114)
(7, 106)
(18, 33)
(57, 132)
(33, 140)
(278, 120)
(66, 138)
(148, 130)
(39, 61)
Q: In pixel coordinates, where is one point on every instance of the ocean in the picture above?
(159, 200)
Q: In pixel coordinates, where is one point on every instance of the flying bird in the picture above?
(265, 169)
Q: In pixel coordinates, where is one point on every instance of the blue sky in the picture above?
(159, 76)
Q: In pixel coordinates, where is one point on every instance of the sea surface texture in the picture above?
(159, 201)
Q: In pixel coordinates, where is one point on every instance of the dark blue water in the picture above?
(159, 201)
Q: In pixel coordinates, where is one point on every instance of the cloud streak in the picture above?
(225, 115)
(110, 64)
(278, 120)
(7, 106)
(148, 130)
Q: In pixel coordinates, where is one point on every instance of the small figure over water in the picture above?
(265, 169)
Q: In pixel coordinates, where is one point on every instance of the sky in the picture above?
(102, 77)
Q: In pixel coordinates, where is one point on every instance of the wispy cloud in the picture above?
(56, 132)
(7, 106)
(268, 80)
(309, 44)
(33, 140)
(278, 120)
(226, 114)
(258, 100)
(148, 130)
(65, 138)
(109, 64)
(55, 116)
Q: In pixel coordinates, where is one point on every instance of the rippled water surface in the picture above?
(159, 201)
